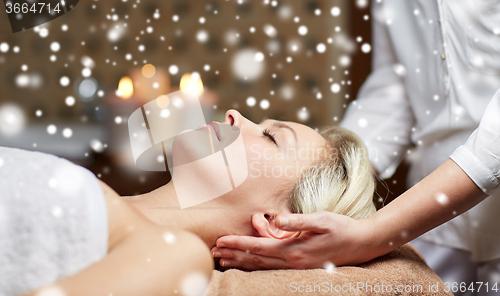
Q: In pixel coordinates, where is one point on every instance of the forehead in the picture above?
(306, 135)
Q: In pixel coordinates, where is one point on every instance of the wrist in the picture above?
(371, 239)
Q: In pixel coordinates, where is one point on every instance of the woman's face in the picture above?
(276, 152)
(264, 161)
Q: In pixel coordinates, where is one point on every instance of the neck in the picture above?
(162, 207)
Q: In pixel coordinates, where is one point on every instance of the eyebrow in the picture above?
(278, 124)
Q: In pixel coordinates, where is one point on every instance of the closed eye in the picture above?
(268, 134)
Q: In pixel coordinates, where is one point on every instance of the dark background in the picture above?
(174, 43)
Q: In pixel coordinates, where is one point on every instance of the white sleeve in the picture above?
(381, 115)
(479, 157)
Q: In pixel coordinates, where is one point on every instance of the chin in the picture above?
(191, 145)
(206, 168)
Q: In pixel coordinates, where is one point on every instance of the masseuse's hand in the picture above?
(325, 238)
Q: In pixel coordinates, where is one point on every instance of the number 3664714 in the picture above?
(33, 8)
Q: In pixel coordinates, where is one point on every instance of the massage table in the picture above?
(402, 271)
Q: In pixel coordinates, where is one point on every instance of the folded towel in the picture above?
(401, 272)
(53, 220)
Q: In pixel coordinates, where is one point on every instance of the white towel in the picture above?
(53, 220)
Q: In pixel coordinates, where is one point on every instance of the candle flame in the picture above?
(192, 83)
(125, 88)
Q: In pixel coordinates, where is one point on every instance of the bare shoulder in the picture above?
(123, 219)
(143, 258)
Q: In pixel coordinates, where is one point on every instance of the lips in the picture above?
(215, 128)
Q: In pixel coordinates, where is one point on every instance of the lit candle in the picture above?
(150, 82)
(192, 83)
(125, 88)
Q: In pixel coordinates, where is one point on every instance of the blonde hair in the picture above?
(341, 182)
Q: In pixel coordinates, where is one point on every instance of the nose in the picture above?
(234, 118)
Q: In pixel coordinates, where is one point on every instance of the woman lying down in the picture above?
(64, 232)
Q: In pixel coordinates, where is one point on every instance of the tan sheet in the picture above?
(402, 271)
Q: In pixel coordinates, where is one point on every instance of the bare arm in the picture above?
(439, 197)
(143, 259)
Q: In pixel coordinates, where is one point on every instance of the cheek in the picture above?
(256, 159)
(269, 167)
(255, 151)
(274, 172)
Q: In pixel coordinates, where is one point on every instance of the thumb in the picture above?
(316, 222)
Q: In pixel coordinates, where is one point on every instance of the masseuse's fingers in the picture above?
(232, 263)
(269, 247)
(246, 260)
(319, 222)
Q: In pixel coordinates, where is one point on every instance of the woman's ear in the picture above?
(264, 223)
